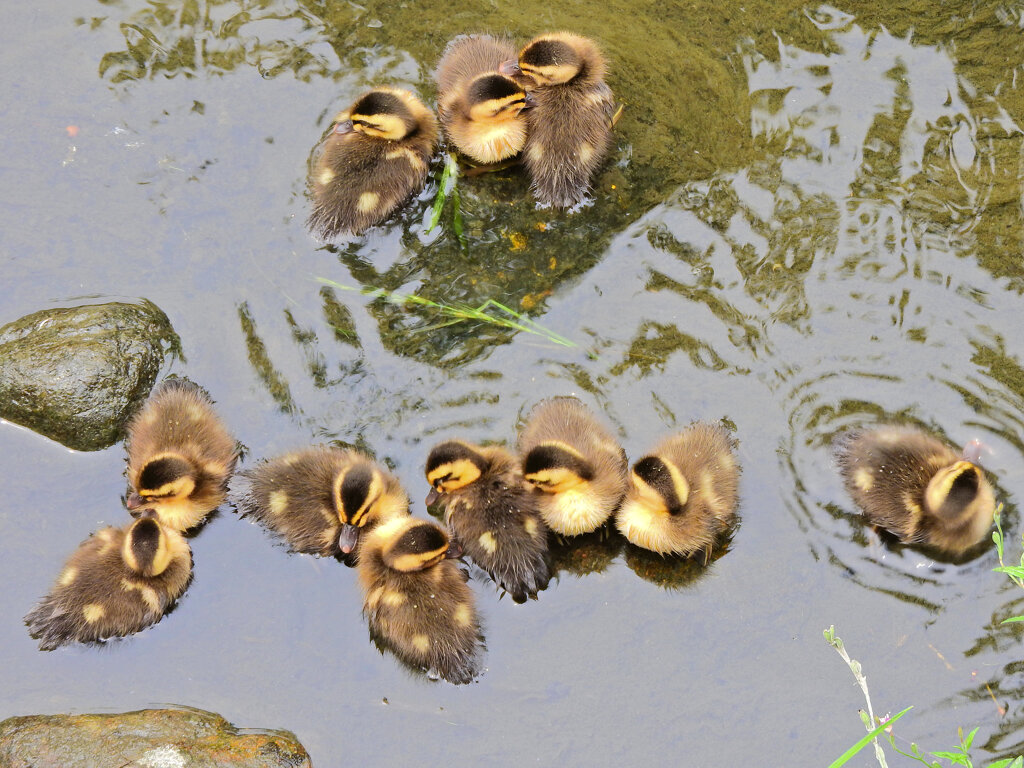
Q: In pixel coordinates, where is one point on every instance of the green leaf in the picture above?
(1012, 619)
(867, 739)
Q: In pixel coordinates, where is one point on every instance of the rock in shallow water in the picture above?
(155, 738)
(77, 374)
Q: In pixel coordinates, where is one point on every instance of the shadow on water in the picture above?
(810, 221)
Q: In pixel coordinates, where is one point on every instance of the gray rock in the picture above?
(76, 375)
(150, 738)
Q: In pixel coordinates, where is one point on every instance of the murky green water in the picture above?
(811, 220)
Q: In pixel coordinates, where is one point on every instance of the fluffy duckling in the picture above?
(576, 464)
(374, 157)
(119, 581)
(683, 494)
(480, 109)
(417, 602)
(492, 514)
(180, 455)
(318, 499)
(916, 487)
(569, 125)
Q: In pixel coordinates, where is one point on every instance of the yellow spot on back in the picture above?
(367, 202)
(278, 503)
(463, 615)
(864, 479)
(531, 526)
(488, 542)
(93, 612)
(148, 594)
(586, 152)
(414, 160)
(536, 151)
(373, 597)
(420, 642)
(326, 176)
(69, 575)
(392, 599)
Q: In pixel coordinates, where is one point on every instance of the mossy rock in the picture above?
(77, 374)
(168, 738)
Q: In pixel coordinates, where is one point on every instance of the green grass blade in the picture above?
(444, 188)
(867, 739)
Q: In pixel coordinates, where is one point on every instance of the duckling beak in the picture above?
(343, 127)
(134, 502)
(454, 550)
(530, 100)
(509, 68)
(432, 497)
(974, 450)
(349, 538)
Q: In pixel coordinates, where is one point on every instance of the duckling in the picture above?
(118, 582)
(319, 498)
(492, 514)
(916, 487)
(576, 464)
(417, 602)
(683, 494)
(569, 124)
(373, 158)
(180, 455)
(480, 109)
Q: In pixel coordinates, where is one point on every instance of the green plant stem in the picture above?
(854, 665)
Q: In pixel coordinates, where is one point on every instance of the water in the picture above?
(811, 220)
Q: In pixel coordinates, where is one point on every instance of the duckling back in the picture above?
(569, 125)
(577, 465)
(467, 56)
(423, 611)
(180, 454)
(299, 496)
(108, 589)
(684, 493)
(916, 487)
(496, 519)
(375, 155)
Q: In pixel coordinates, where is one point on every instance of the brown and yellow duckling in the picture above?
(492, 514)
(480, 109)
(180, 455)
(374, 157)
(119, 581)
(572, 459)
(416, 600)
(570, 123)
(320, 498)
(916, 487)
(683, 494)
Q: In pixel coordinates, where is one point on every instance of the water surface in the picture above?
(811, 220)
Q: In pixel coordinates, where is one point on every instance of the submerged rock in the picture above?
(155, 738)
(77, 374)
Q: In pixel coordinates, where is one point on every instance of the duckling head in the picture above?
(660, 486)
(958, 491)
(416, 546)
(361, 499)
(494, 97)
(164, 480)
(453, 465)
(146, 549)
(382, 113)
(547, 60)
(555, 467)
